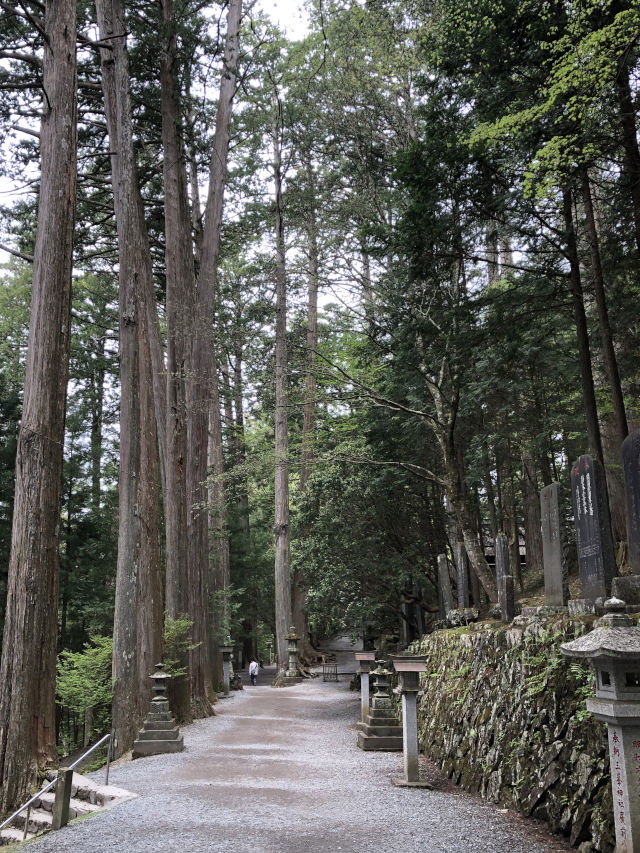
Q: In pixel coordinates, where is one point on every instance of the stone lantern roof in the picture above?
(616, 637)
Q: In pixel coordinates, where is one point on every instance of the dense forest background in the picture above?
(449, 194)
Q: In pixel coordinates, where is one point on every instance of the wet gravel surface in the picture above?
(278, 771)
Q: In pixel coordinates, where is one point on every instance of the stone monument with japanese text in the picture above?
(596, 559)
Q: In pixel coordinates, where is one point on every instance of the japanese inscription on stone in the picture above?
(593, 529)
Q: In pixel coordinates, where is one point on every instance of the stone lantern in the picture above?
(291, 675)
(380, 729)
(613, 648)
(409, 668)
(226, 651)
(159, 732)
(365, 660)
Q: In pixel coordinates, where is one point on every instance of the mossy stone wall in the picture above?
(503, 714)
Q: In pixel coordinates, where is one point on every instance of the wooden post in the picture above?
(63, 795)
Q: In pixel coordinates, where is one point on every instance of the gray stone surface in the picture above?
(556, 586)
(627, 588)
(596, 559)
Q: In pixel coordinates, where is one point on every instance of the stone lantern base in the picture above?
(381, 730)
(159, 732)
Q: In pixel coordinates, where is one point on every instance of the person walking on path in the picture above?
(253, 671)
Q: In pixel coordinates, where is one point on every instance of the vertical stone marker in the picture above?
(444, 582)
(226, 651)
(462, 569)
(631, 468)
(365, 659)
(504, 579)
(593, 528)
(556, 584)
(409, 668)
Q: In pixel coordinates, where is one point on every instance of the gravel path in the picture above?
(277, 771)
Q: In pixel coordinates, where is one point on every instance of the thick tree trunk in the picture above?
(149, 591)
(139, 340)
(218, 527)
(631, 166)
(202, 374)
(27, 672)
(531, 507)
(180, 280)
(608, 349)
(97, 410)
(580, 319)
(281, 520)
(299, 587)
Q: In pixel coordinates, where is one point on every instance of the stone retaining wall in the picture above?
(503, 714)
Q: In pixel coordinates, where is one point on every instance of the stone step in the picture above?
(77, 807)
(11, 835)
(381, 744)
(159, 734)
(39, 820)
(161, 717)
(86, 789)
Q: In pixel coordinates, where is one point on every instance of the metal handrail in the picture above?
(30, 802)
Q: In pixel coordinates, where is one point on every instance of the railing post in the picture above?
(26, 824)
(63, 796)
(106, 777)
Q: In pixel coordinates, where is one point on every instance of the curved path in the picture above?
(277, 771)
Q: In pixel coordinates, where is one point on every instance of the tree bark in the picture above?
(299, 587)
(138, 341)
(281, 519)
(202, 373)
(28, 668)
(631, 165)
(580, 319)
(608, 349)
(532, 523)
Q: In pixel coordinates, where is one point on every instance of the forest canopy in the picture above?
(338, 304)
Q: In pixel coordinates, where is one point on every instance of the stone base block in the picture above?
(290, 680)
(580, 606)
(157, 747)
(159, 734)
(379, 744)
(401, 782)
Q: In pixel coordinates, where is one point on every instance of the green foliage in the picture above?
(84, 678)
(177, 644)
